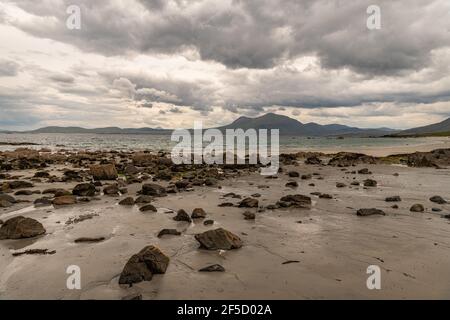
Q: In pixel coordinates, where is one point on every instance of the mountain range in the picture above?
(286, 125)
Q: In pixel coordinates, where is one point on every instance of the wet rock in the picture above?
(5, 204)
(340, 185)
(438, 200)
(148, 207)
(89, 240)
(130, 169)
(218, 239)
(42, 202)
(249, 215)
(182, 216)
(417, 208)
(354, 183)
(84, 190)
(370, 212)
(208, 222)
(249, 203)
(291, 184)
(295, 200)
(183, 184)
(173, 232)
(436, 209)
(306, 177)
(198, 213)
(111, 190)
(226, 204)
(395, 206)
(18, 184)
(364, 171)
(152, 189)
(370, 183)
(213, 268)
(23, 193)
(20, 227)
(143, 199)
(64, 200)
(393, 199)
(325, 196)
(293, 174)
(141, 266)
(104, 172)
(129, 201)
(313, 160)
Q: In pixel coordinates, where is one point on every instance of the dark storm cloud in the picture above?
(258, 33)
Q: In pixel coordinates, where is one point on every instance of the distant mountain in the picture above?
(437, 129)
(289, 126)
(286, 125)
(107, 130)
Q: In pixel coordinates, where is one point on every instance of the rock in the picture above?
(42, 202)
(393, 199)
(370, 183)
(130, 169)
(210, 181)
(104, 172)
(182, 216)
(198, 213)
(354, 183)
(417, 208)
(292, 184)
(296, 200)
(218, 239)
(364, 171)
(395, 206)
(313, 160)
(64, 200)
(33, 251)
(129, 201)
(293, 174)
(370, 212)
(340, 185)
(438, 200)
(346, 159)
(306, 177)
(436, 209)
(23, 193)
(183, 184)
(249, 203)
(148, 207)
(213, 268)
(133, 296)
(152, 189)
(42, 174)
(20, 227)
(142, 266)
(325, 196)
(111, 190)
(249, 215)
(1, 221)
(90, 240)
(143, 199)
(256, 195)
(226, 204)
(18, 184)
(7, 198)
(5, 204)
(173, 232)
(84, 190)
(62, 192)
(208, 222)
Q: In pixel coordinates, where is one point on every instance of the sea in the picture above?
(137, 142)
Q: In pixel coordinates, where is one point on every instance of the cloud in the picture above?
(8, 68)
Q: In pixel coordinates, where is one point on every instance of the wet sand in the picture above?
(332, 245)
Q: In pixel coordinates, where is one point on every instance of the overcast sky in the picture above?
(166, 63)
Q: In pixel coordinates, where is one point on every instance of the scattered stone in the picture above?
(143, 199)
(293, 174)
(249, 203)
(182, 216)
(142, 266)
(370, 212)
(249, 215)
(34, 251)
(43, 202)
(5, 204)
(395, 206)
(306, 177)
(64, 200)
(226, 204)
(7, 198)
(198, 213)
(295, 200)
(111, 190)
(256, 195)
(370, 183)
(20, 227)
(23, 193)
(173, 232)
(152, 189)
(340, 185)
(325, 196)
(208, 222)
(104, 172)
(436, 209)
(290, 261)
(90, 240)
(213, 268)
(84, 190)
(148, 207)
(128, 201)
(218, 239)
(354, 183)
(364, 171)
(417, 208)
(292, 184)
(438, 200)
(313, 160)
(393, 199)
(18, 184)
(81, 218)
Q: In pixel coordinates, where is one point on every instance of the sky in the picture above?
(167, 63)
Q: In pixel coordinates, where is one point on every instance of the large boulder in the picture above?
(218, 239)
(141, 266)
(152, 189)
(84, 190)
(20, 227)
(104, 172)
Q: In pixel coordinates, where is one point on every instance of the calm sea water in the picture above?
(163, 142)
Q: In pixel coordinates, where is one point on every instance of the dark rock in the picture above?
(21, 227)
(370, 183)
(370, 212)
(33, 251)
(218, 239)
(148, 207)
(438, 200)
(226, 204)
(173, 232)
(393, 199)
(84, 190)
(249, 215)
(292, 184)
(19, 184)
(436, 209)
(313, 160)
(43, 201)
(296, 200)
(42, 174)
(293, 174)
(89, 240)
(364, 171)
(306, 177)
(23, 193)
(208, 222)
(249, 203)
(213, 268)
(155, 190)
(325, 196)
(340, 185)
(417, 208)
(129, 201)
(198, 213)
(346, 159)
(143, 199)
(182, 216)
(7, 198)
(133, 296)
(111, 190)
(104, 172)
(64, 200)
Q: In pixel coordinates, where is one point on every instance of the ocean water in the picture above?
(137, 142)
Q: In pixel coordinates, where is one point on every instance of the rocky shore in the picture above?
(141, 227)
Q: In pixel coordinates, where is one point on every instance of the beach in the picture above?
(320, 249)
